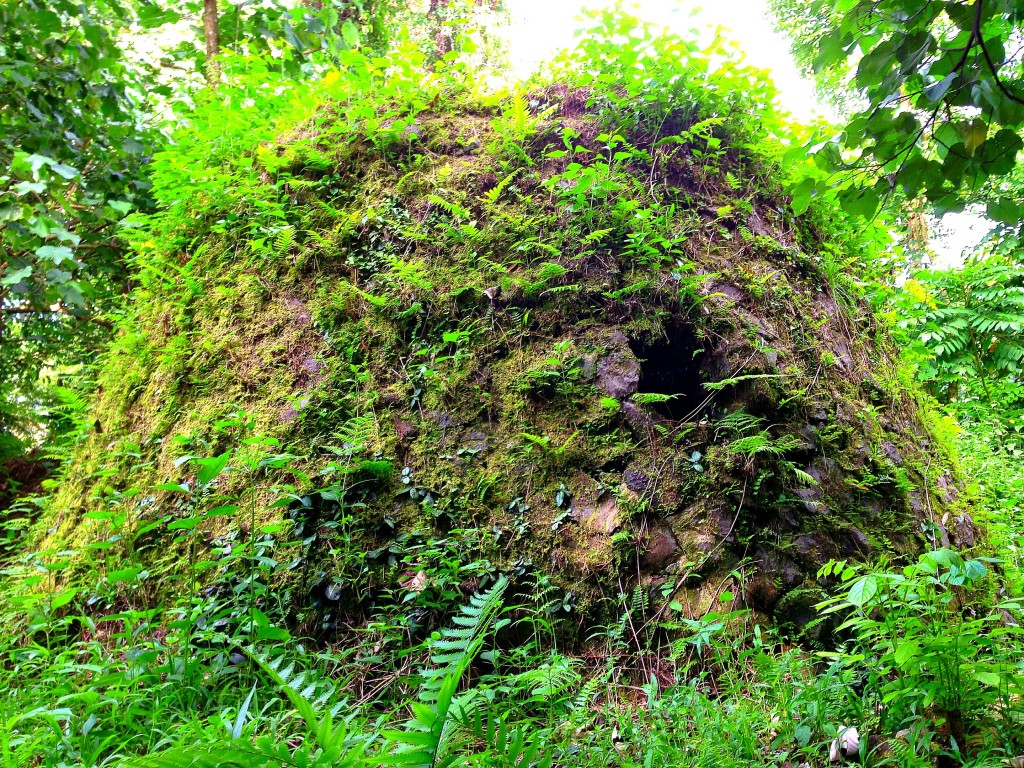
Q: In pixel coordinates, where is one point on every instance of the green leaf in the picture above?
(57, 276)
(26, 187)
(975, 570)
(15, 276)
(183, 524)
(63, 598)
(173, 487)
(859, 201)
(350, 33)
(863, 590)
(71, 292)
(937, 90)
(210, 468)
(272, 633)
(1004, 210)
(988, 678)
(802, 733)
(64, 170)
(123, 575)
(907, 650)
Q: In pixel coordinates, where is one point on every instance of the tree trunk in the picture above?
(211, 34)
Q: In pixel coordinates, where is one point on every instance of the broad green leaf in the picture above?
(15, 276)
(183, 524)
(123, 575)
(907, 650)
(210, 468)
(863, 590)
(63, 598)
(937, 90)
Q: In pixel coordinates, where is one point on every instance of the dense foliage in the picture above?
(192, 590)
(88, 92)
(933, 91)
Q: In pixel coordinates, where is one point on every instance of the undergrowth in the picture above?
(199, 591)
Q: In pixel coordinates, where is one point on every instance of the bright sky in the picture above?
(542, 27)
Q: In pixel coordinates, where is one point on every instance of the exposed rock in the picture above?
(853, 542)
(784, 570)
(730, 292)
(757, 225)
(949, 491)
(843, 357)
(659, 548)
(407, 431)
(815, 549)
(965, 531)
(588, 367)
(618, 375)
(811, 498)
(637, 481)
(819, 416)
(637, 417)
(890, 451)
(871, 507)
(477, 441)
(596, 508)
(443, 419)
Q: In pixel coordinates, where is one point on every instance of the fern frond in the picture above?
(454, 210)
(739, 422)
(295, 685)
(310, 695)
(589, 692)
(547, 272)
(453, 649)
(552, 678)
(284, 239)
(572, 288)
(505, 747)
(490, 197)
(71, 401)
(427, 739)
(621, 293)
(804, 477)
(227, 755)
(354, 434)
(596, 236)
(715, 386)
(646, 398)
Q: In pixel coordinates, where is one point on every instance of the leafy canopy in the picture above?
(937, 106)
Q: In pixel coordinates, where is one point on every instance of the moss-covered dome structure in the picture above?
(577, 334)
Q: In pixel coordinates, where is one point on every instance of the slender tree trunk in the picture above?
(211, 34)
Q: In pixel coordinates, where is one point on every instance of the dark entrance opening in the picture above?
(671, 365)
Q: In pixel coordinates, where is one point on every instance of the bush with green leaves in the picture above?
(966, 326)
(934, 95)
(934, 647)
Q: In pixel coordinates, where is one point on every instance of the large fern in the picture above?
(967, 326)
(328, 744)
(441, 721)
(505, 747)
(236, 754)
(426, 740)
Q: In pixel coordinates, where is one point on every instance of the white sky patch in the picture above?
(540, 28)
(955, 235)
